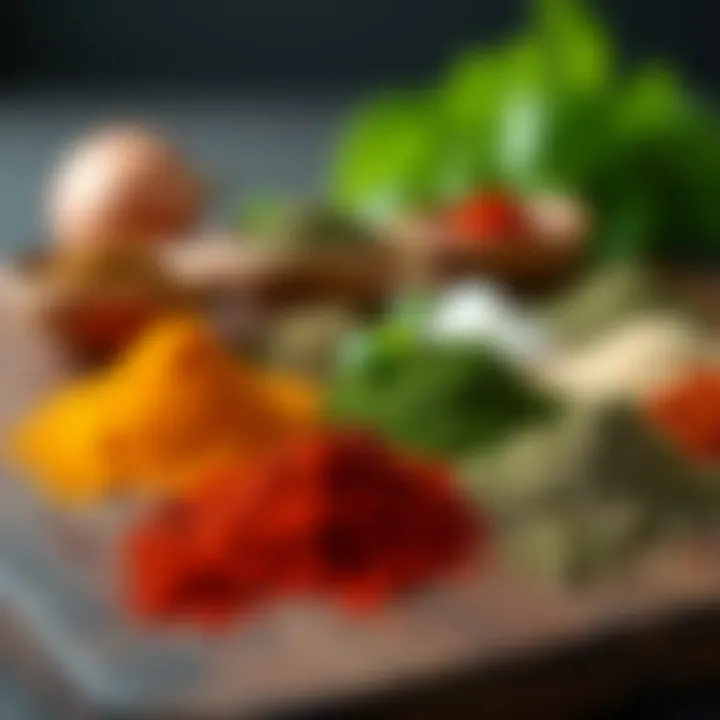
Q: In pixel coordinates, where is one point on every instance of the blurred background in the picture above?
(255, 89)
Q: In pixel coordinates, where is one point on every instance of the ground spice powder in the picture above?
(687, 412)
(176, 402)
(335, 514)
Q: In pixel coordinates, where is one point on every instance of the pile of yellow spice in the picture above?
(175, 404)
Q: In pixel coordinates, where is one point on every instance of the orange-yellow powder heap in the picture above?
(175, 403)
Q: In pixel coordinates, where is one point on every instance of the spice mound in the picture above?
(486, 218)
(441, 399)
(337, 515)
(688, 414)
(175, 401)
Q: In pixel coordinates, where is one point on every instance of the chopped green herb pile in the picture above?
(438, 399)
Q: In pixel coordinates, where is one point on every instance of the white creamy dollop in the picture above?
(481, 312)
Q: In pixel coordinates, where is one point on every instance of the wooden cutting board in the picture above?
(58, 580)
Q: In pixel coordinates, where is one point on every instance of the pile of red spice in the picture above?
(688, 413)
(338, 514)
(486, 219)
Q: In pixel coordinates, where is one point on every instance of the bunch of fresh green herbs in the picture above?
(550, 109)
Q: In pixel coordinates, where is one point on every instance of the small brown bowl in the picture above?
(94, 313)
(90, 307)
(357, 276)
(550, 253)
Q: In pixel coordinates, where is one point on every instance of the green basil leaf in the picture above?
(386, 158)
(578, 50)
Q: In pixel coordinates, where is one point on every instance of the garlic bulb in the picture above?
(121, 184)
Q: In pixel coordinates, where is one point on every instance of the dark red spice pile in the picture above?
(688, 413)
(338, 514)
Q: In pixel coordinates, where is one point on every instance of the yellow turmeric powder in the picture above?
(175, 403)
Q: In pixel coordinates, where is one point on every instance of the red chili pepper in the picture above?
(337, 514)
(487, 218)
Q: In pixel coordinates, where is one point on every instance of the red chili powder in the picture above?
(688, 413)
(339, 515)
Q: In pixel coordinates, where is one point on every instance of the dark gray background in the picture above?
(305, 42)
